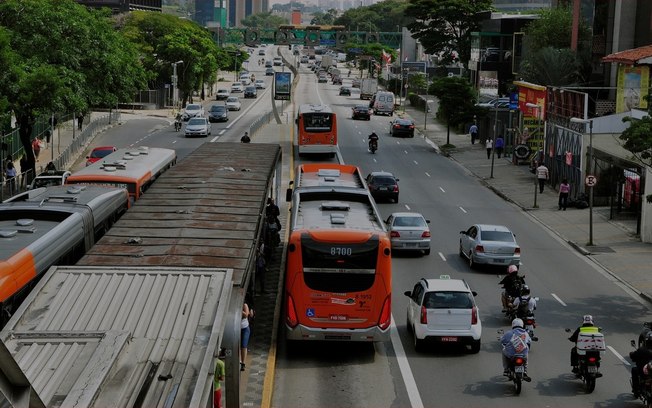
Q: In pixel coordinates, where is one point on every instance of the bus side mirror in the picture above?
(288, 195)
(296, 121)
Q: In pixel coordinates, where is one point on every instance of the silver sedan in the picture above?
(489, 244)
(409, 231)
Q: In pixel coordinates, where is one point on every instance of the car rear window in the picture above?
(384, 181)
(448, 300)
(410, 222)
(197, 121)
(502, 236)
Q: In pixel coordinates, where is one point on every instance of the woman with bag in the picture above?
(564, 190)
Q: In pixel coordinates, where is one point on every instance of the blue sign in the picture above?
(513, 101)
(310, 312)
(327, 42)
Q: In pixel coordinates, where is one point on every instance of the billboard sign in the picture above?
(282, 86)
(632, 87)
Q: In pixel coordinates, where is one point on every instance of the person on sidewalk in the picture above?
(489, 145)
(80, 121)
(245, 333)
(473, 130)
(245, 138)
(564, 190)
(11, 174)
(219, 376)
(36, 146)
(500, 145)
(542, 176)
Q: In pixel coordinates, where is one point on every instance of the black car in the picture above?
(269, 71)
(218, 113)
(250, 92)
(401, 127)
(383, 185)
(345, 91)
(361, 112)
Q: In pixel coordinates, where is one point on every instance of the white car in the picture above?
(260, 84)
(198, 127)
(222, 94)
(245, 79)
(443, 311)
(233, 103)
(193, 110)
(236, 87)
(278, 61)
(409, 231)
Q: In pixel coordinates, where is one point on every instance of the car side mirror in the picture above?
(633, 343)
(474, 293)
(463, 232)
(397, 180)
(427, 221)
(407, 293)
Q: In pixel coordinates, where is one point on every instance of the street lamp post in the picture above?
(175, 89)
(536, 187)
(425, 109)
(493, 150)
(591, 171)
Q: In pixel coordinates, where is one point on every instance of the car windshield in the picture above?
(360, 108)
(447, 300)
(502, 236)
(218, 108)
(409, 222)
(197, 121)
(232, 99)
(384, 181)
(193, 107)
(98, 154)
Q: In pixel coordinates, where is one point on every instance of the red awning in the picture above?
(635, 56)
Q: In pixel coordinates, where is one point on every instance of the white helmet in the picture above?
(517, 323)
(512, 269)
(587, 319)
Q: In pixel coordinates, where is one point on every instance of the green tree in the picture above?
(384, 16)
(637, 139)
(67, 58)
(444, 26)
(264, 20)
(456, 101)
(321, 18)
(548, 59)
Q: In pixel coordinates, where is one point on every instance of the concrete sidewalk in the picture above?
(616, 247)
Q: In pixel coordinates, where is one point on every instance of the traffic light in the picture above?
(281, 37)
(371, 38)
(312, 37)
(341, 38)
(252, 37)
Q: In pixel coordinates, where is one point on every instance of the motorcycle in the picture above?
(590, 347)
(529, 325)
(645, 383)
(373, 146)
(516, 372)
(510, 312)
(177, 125)
(647, 327)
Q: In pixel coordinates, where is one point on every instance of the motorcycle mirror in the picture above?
(633, 343)
(535, 339)
(536, 298)
(647, 324)
(500, 331)
(567, 330)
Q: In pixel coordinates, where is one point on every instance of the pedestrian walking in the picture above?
(245, 138)
(564, 191)
(10, 175)
(36, 147)
(489, 145)
(220, 374)
(473, 130)
(80, 120)
(245, 332)
(500, 145)
(542, 176)
(261, 269)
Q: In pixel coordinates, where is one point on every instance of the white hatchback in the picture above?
(443, 311)
(236, 87)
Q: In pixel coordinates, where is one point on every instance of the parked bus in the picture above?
(132, 168)
(50, 226)
(316, 130)
(338, 282)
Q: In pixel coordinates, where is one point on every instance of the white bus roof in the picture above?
(313, 108)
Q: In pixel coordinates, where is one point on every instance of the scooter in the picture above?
(529, 325)
(647, 326)
(516, 372)
(590, 347)
(645, 386)
(373, 146)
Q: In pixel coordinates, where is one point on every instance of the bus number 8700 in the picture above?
(341, 251)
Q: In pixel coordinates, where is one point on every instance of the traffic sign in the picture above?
(591, 181)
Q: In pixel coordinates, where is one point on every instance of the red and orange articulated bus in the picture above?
(316, 130)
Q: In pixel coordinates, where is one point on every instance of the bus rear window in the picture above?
(317, 122)
(339, 267)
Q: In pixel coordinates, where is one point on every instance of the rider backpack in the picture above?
(523, 305)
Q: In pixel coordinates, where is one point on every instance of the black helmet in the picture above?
(525, 290)
(648, 340)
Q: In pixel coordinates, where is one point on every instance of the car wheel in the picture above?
(408, 325)
(461, 251)
(472, 263)
(418, 344)
(475, 346)
(396, 199)
(427, 251)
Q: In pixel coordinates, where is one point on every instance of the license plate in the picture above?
(449, 339)
(593, 369)
(519, 369)
(384, 189)
(411, 244)
(499, 260)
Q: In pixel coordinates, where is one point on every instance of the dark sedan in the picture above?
(345, 91)
(361, 112)
(218, 113)
(402, 127)
(383, 185)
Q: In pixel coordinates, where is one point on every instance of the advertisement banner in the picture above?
(488, 83)
(282, 86)
(632, 89)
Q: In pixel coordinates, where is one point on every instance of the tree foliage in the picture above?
(321, 18)
(637, 139)
(456, 100)
(548, 59)
(444, 26)
(263, 20)
(384, 16)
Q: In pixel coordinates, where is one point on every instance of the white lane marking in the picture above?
(375, 161)
(442, 190)
(174, 141)
(558, 299)
(415, 162)
(222, 132)
(213, 140)
(404, 366)
(621, 358)
(463, 210)
(443, 258)
(408, 207)
(429, 176)
(405, 151)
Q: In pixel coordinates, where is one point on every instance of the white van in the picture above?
(382, 103)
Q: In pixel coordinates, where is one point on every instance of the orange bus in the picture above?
(134, 169)
(338, 279)
(316, 130)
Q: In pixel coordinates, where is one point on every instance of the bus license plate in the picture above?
(339, 318)
(593, 369)
(449, 339)
(519, 369)
(499, 260)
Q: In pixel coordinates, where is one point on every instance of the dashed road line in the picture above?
(442, 189)
(559, 299)
(463, 210)
(621, 358)
(404, 367)
(443, 258)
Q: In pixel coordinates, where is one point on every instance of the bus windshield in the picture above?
(317, 122)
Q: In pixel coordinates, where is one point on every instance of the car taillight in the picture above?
(291, 317)
(517, 251)
(394, 234)
(386, 314)
(396, 188)
(426, 234)
(411, 126)
(474, 315)
(519, 361)
(479, 248)
(424, 315)
(592, 360)
(397, 126)
(529, 322)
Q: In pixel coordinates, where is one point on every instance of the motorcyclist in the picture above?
(512, 283)
(586, 327)
(515, 341)
(177, 120)
(245, 138)
(524, 304)
(640, 357)
(373, 137)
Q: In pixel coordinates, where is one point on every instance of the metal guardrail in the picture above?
(260, 122)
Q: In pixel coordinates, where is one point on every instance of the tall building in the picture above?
(239, 9)
(123, 6)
